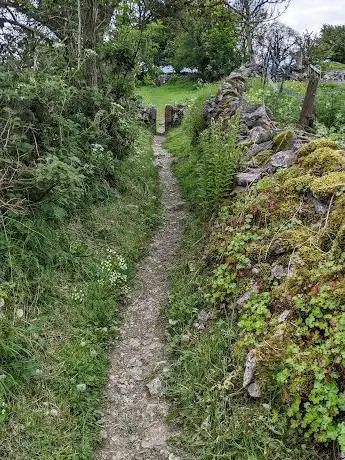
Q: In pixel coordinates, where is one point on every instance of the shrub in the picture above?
(60, 143)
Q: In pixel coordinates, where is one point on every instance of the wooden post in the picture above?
(308, 110)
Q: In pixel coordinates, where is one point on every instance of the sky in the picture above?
(312, 14)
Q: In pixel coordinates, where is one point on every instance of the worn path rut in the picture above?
(136, 410)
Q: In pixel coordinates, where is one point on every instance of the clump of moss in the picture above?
(339, 243)
(295, 238)
(337, 217)
(283, 141)
(328, 184)
(315, 145)
(262, 157)
(299, 183)
(323, 160)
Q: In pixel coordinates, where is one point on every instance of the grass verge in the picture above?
(59, 314)
(217, 420)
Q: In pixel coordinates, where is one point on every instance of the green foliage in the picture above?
(61, 281)
(293, 320)
(331, 44)
(178, 90)
(129, 55)
(253, 324)
(215, 418)
(332, 66)
(208, 44)
(61, 143)
(286, 106)
(218, 162)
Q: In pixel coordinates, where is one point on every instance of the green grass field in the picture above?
(178, 90)
(286, 107)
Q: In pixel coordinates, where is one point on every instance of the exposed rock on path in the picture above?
(134, 426)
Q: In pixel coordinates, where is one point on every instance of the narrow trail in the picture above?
(136, 410)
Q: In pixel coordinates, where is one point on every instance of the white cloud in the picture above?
(312, 14)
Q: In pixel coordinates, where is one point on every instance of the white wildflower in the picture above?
(81, 387)
(19, 313)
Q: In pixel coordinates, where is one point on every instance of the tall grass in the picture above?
(60, 313)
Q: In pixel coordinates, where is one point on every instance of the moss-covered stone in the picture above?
(262, 157)
(300, 183)
(315, 145)
(283, 141)
(328, 184)
(324, 160)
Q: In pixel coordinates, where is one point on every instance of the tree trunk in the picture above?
(248, 30)
(90, 42)
(80, 28)
(308, 110)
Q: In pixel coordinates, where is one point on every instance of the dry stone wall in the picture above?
(149, 117)
(258, 130)
(268, 150)
(174, 116)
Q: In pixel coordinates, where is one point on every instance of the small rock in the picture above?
(278, 271)
(2, 303)
(244, 298)
(155, 387)
(258, 135)
(103, 434)
(174, 457)
(319, 207)
(19, 313)
(258, 148)
(254, 390)
(202, 320)
(283, 159)
(249, 371)
(2, 376)
(247, 295)
(245, 179)
(136, 373)
(54, 412)
(185, 339)
(257, 118)
(283, 316)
